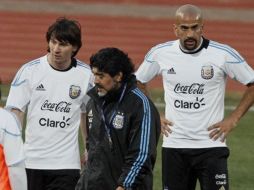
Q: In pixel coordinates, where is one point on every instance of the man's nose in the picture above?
(190, 32)
(96, 80)
(56, 48)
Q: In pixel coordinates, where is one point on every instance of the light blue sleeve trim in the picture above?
(17, 81)
(160, 46)
(144, 142)
(229, 50)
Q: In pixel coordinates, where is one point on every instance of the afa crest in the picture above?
(118, 121)
(207, 72)
(74, 91)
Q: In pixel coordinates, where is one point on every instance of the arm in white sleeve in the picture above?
(149, 68)
(17, 174)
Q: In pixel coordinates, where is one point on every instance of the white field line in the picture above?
(227, 107)
(162, 105)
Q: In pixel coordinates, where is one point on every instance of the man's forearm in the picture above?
(18, 177)
(143, 88)
(245, 103)
(20, 115)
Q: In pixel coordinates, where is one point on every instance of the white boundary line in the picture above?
(227, 107)
(162, 105)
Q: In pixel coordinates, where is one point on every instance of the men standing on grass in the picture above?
(194, 71)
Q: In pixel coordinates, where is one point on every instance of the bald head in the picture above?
(188, 12)
(189, 26)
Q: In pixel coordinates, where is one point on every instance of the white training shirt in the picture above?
(55, 100)
(194, 88)
(10, 138)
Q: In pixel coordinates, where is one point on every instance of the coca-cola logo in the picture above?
(56, 107)
(194, 88)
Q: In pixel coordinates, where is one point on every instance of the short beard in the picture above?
(101, 94)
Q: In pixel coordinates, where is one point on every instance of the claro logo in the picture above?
(189, 105)
(52, 123)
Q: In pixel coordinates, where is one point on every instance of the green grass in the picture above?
(241, 160)
(240, 142)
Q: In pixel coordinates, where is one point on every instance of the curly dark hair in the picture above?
(112, 61)
(65, 30)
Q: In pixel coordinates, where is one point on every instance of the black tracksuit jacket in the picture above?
(134, 127)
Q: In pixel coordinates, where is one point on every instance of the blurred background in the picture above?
(134, 26)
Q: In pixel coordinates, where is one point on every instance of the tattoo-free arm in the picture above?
(223, 128)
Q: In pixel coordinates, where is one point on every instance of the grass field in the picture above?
(240, 142)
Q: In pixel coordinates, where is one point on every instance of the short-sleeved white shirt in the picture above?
(194, 88)
(55, 99)
(10, 138)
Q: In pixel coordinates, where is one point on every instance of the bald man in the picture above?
(194, 71)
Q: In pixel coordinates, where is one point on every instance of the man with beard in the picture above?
(124, 127)
(194, 71)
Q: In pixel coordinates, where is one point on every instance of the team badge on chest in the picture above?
(74, 91)
(207, 72)
(118, 121)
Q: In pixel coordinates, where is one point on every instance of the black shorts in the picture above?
(52, 179)
(182, 167)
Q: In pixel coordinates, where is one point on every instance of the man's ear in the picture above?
(74, 49)
(119, 77)
(175, 30)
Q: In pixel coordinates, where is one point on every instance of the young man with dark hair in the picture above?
(53, 90)
(123, 127)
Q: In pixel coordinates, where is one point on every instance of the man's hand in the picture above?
(165, 126)
(84, 157)
(222, 129)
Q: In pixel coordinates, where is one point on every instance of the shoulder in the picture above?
(163, 47)
(83, 67)
(34, 63)
(9, 122)
(140, 105)
(138, 98)
(225, 50)
(84, 71)
(28, 70)
(31, 66)
(6, 115)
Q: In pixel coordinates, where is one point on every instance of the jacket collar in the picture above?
(113, 96)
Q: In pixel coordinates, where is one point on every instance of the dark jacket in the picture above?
(134, 127)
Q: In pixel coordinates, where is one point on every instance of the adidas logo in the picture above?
(171, 71)
(40, 87)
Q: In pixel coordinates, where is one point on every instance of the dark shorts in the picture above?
(182, 167)
(52, 179)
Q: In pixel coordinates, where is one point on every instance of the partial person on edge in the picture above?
(12, 157)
